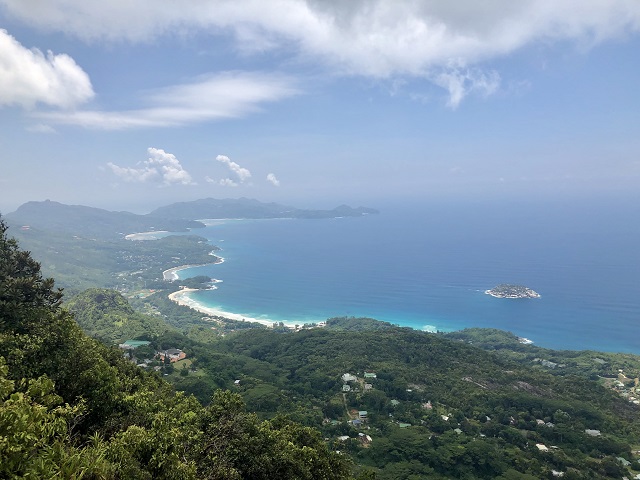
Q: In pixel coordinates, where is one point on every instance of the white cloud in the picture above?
(29, 77)
(212, 97)
(41, 128)
(273, 179)
(242, 173)
(129, 174)
(460, 82)
(227, 182)
(160, 164)
(170, 168)
(377, 38)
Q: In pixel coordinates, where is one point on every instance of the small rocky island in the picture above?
(506, 290)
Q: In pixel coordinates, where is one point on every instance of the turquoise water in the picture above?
(428, 266)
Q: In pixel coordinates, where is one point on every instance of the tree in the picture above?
(34, 434)
(23, 291)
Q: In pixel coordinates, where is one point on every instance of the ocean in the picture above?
(426, 265)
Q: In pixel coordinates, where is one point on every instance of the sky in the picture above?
(133, 105)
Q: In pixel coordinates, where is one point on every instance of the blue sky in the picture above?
(133, 105)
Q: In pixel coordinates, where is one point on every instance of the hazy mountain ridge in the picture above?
(91, 221)
(210, 208)
(176, 217)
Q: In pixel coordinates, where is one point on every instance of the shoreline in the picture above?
(171, 274)
(182, 297)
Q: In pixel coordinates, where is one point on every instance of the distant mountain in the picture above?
(92, 222)
(250, 208)
(177, 217)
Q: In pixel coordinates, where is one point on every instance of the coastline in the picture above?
(182, 297)
(171, 274)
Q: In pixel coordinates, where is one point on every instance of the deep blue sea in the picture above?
(426, 265)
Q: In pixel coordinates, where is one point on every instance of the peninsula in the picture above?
(506, 290)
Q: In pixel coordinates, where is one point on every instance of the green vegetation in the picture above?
(70, 407)
(106, 315)
(79, 262)
(436, 408)
(353, 324)
(501, 409)
(255, 402)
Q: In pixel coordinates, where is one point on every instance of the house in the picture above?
(356, 422)
(368, 386)
(593, 433)
(237, 383)
(542, 447)
(369, 375)
(362, 414)
(364, 439)
(343, 438)
(346, 388)
(173, 354)
(347, 377)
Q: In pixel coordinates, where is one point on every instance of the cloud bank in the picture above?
(211, 97)
(29, 77)
(441, 42)
(160, 165)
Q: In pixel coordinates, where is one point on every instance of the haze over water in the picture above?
(427, 266)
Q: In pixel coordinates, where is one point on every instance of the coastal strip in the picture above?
(171, 274)
(182, 297)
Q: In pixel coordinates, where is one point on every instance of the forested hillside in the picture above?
(72, 408)
(106, 315)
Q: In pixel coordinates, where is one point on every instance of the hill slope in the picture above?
(106, 315)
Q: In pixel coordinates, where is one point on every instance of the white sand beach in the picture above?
(181, 297)
(154, 235)
(171, 274)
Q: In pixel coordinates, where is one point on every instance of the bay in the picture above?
(426, 265)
